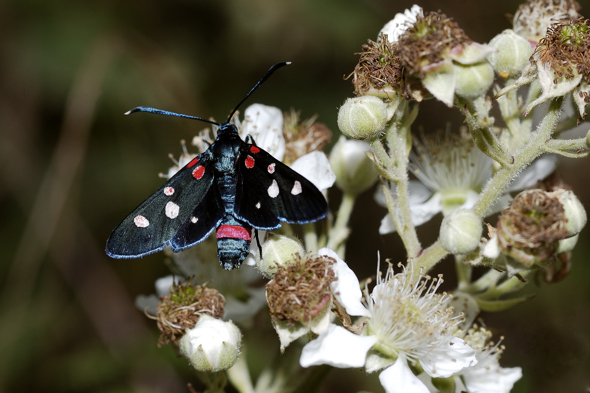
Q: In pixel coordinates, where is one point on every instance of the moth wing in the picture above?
(165, 214)
(269, 192)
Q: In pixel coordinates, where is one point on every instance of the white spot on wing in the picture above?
(271, 168)
(194, 219)
(296, 188)
(258, 205)
(168, 191)
(273, 190)
(141, 222)
(172, 210)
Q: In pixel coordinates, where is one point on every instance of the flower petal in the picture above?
(346, 288)
(337, 347)
(400, 379)
(265, 124)
(491, 379)
(452, 356)
(466, 304)
(315, 167)
(400, 23)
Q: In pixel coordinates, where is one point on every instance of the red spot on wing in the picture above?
(193, 162)
(199, 172)
(234, 232)
(254, 149)
(249, 162)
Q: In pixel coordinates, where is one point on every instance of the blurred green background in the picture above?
(73, 166)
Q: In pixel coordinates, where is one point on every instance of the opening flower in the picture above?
(486, 375)
(406, 322)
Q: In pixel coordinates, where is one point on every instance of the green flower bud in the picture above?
(512, 53)
(460, 231)
(575, 213)
(212, 345)
(279, 250)
(473, 80)
(355, 172)
(362, 117)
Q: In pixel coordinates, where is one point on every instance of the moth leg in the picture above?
(258, 242)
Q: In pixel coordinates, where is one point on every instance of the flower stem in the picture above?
(340, 232)
(522, 159)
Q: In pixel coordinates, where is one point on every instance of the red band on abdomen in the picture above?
(234, 232)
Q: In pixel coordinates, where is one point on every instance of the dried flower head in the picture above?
(379, 70)
(530, 230)
(534, 16)
(566, 49)
(303, 136)
(561, 65)
(418, 55)
(300, 290)
(428, 41)
(183, 306)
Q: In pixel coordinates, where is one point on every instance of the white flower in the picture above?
(212, 345)
(404, 323)
(400, 23)
(265, 124)
(452, 172)
(315, 167)
(487, 376)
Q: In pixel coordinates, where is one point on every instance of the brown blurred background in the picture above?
(73, 166)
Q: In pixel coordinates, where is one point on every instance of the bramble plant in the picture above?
(400, 324)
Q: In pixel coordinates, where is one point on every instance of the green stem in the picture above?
(340, 232)
(522, 158)
(486, 281)
(572, 148)
(463, 271)
(310, 237)
(513, 284)
(394, 167)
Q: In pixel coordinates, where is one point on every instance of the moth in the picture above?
(234, 187)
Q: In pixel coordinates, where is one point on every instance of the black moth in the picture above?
(234, 186)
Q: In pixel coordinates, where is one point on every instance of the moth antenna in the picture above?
(265, 77)
(168, 113)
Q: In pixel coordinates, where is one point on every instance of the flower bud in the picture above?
(512, 54)
(362, 117)
(212, 345)
(460, 231)
(473, 80)
(575, 213)
(355, 172)
(279, 250)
